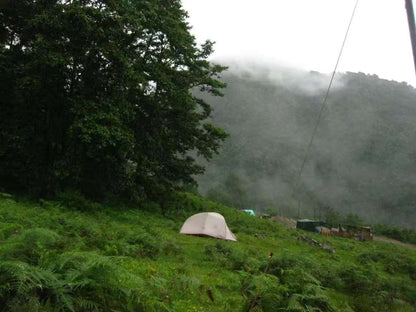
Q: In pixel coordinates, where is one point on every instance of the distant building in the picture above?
(361, 233)
(309, 225)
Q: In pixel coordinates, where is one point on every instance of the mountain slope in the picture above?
(362, 159)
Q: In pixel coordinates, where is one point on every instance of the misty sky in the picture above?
(307, 34)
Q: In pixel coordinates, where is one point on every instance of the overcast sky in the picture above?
(308, 34)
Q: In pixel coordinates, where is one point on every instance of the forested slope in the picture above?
(362, 159)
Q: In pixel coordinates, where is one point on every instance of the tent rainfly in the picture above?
(207, 224)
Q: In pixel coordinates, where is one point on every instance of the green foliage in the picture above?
(227, 256)
(5, 195)
(360, 158)
(333, 217)
(76, 200)
(26, 287)
(264, 292)
(59, 258)
(232, 192)
(96, 96)
(99, 280)
(8, 229)
(353, 219)
(403, 235)
(30, 245)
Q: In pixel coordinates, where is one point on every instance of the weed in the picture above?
(93, 257)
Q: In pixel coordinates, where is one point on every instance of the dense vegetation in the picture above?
(106, 100)
(400, 234)
(77, 255)
(362, 159)
(95, 96)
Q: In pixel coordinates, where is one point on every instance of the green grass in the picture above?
(403, 235)
(75, 255)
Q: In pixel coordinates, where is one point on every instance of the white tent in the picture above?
(207, 224)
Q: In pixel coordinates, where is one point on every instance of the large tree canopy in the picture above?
(96, 95)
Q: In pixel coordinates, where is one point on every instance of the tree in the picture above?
(97, 95)
(231, 192)
(353, 219)
(332, 216)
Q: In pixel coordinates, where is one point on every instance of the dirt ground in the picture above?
(393, 241)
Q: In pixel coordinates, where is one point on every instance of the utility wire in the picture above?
(295, 187)
(412, 28)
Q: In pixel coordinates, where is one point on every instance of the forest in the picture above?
(95, 96)
(361, 161)
(116, 127)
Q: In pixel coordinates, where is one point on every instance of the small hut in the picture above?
(309, 225)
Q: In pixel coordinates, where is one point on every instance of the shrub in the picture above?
(9, 229)
(150, 245)
(76, 200)
(227, 255)
(27, 288)
(99, 281)
(312, 298)
(356, 279)
(264, 292)
(30, 245)
(403, 235)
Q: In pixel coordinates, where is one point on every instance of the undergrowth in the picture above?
(77, 255)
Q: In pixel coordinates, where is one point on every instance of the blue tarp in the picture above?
(249, 211)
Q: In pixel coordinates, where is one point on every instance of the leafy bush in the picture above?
(228, 256)
(8, 229)
(357, 279)
(128, 259)
(312, 298)
(76, 200)
(394, 261)
(99, 281)
(30, 245)
(263, 292)
(27, 288)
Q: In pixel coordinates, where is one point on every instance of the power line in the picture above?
(412, 28)
(295, 187)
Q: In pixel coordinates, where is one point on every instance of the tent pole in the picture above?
(412, 27)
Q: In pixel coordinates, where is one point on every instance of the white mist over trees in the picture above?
(362, 160)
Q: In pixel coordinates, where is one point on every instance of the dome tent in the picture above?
(207, 224)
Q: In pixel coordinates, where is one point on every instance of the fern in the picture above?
(98, 280)
(29, 245)
(85, 304)
(24, 284)
(9, 229)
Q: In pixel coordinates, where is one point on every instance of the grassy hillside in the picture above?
(75, 255)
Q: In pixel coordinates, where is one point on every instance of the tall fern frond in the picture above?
(99, 280)
(21, 282)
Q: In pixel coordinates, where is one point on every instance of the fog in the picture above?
(362, 159)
